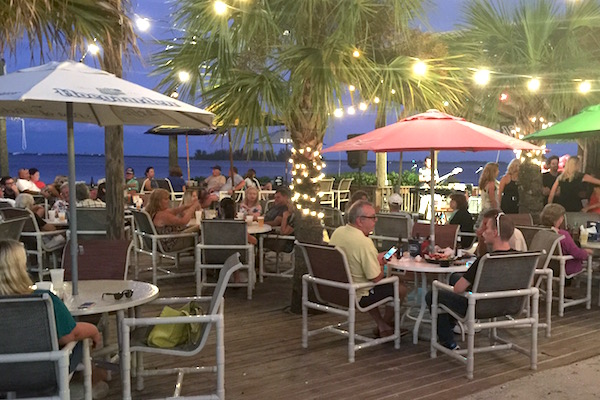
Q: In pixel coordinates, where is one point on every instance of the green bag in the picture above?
(168, 336)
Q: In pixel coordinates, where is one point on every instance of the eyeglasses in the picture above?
(119, 295)
(373, 217)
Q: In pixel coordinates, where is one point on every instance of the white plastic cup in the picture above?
(249, 219)
(261, 221)
(58, 278)
(198, 217)
(240, 215)
(210, 214)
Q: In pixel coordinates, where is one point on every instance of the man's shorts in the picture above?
(377, 293)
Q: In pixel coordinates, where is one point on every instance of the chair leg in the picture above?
(534, 331)
(87, 370)
(470, 338)
(154, 266)
(434, 320)
(220, 359)
(125, 364)
(351, 328)
(588, 303)
(304, 314)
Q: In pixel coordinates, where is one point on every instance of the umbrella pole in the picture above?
(72, 198)
(432, 192)
(231, 159)
(187, 153)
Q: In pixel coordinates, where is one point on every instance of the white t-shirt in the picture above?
(25, 185)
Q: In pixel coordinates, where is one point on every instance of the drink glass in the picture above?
(58, 278)
(249, 219)
(62, 216)
(261, 221)
(240, 215)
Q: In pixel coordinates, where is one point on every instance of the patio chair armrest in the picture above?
(224, 247)
(167, 236)
(44, 233)
(179, 300)
(503, 293)
(278, 236)
(326, 282)
(437, 286)
(561, 258)
(191, 319)
(383, 281)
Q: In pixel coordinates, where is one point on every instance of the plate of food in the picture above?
(442, 259)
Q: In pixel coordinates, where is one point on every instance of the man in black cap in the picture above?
(215, 181)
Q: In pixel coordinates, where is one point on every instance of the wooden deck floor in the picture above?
(265, 360)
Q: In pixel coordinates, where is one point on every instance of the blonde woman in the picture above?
(171, 220)
(14, 280)
(251, 205)
(509, 188)
(487, 186)
(570, 183)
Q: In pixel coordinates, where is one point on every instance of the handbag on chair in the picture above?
(167, 336)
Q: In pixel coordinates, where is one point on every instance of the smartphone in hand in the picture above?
(388, 256)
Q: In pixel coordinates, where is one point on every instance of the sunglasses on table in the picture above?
(119, 295)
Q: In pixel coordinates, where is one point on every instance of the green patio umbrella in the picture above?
(583, 125)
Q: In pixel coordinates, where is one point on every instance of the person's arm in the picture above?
(503, 182)
(592, 205)
(167, 218)
(462, 285)
(553, 191)
(147, 185)
(82, 330)
(491, 189)
(240, 185)
(590, 179)
(286, 229)
(569, 247)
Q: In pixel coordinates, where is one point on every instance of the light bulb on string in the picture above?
(482, 77)
(533, 84)
(419, 68)
(584, 87)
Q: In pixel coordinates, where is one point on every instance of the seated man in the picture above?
(496, 235)
(10, 187)
(24, 183)
(238, 182)
(82, 194)
(517, 240)
(365, 264)
(282, 203)
(215, 181)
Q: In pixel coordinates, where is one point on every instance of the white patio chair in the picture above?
(31, 363)
(329, 275)
(135, 332)
(148, 241)
(326, 194)
(501, 291)
(342, 193)
(11, 229)
(390, 228)
(280, 245)
(35, 245)
(168, 186)
(445, 235)
(219, 240)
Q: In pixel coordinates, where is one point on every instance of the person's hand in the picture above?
(380, 258)
(589, 251)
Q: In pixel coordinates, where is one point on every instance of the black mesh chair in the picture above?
(31, 363)
(502, 290)
(330, 277)
(219, 240)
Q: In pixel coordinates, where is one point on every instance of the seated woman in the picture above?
(16, 281)
(176, 178)
(250, 205)
(227, 211)
(461, 216)
(252, 181)
(26, 201)
(171, 220)
(553, 216)
(201, 195)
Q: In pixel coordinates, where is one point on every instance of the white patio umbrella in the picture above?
(74, 92)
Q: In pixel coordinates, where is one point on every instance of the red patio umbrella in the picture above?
(432, 130)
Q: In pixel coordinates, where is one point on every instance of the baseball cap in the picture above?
(129, 171)
(395, 199)
(217, 167)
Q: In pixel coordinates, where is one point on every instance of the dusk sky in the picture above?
(44, 136)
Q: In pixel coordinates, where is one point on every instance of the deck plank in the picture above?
(264, 357)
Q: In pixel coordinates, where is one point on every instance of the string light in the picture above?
(143, 24)
(352, 88)
(482, 77)
(183, 76)
(220, 7)
(584, 87)
(419, 68)
(351, 110)
(533, 84)
(362, 106)
(338, 113)
(356, 54)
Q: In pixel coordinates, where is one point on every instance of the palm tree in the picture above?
(554, 43)
(55, 26)
(292, 61)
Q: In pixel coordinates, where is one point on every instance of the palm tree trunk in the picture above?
(113, 148)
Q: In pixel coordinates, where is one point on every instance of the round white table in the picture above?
(254, 229)
(57, 222)
(422, 268)
(92, 290)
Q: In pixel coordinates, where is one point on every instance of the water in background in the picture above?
(90, 166)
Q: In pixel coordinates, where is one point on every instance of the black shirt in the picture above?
(472, 271)
(465, 220)
(548, 181)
